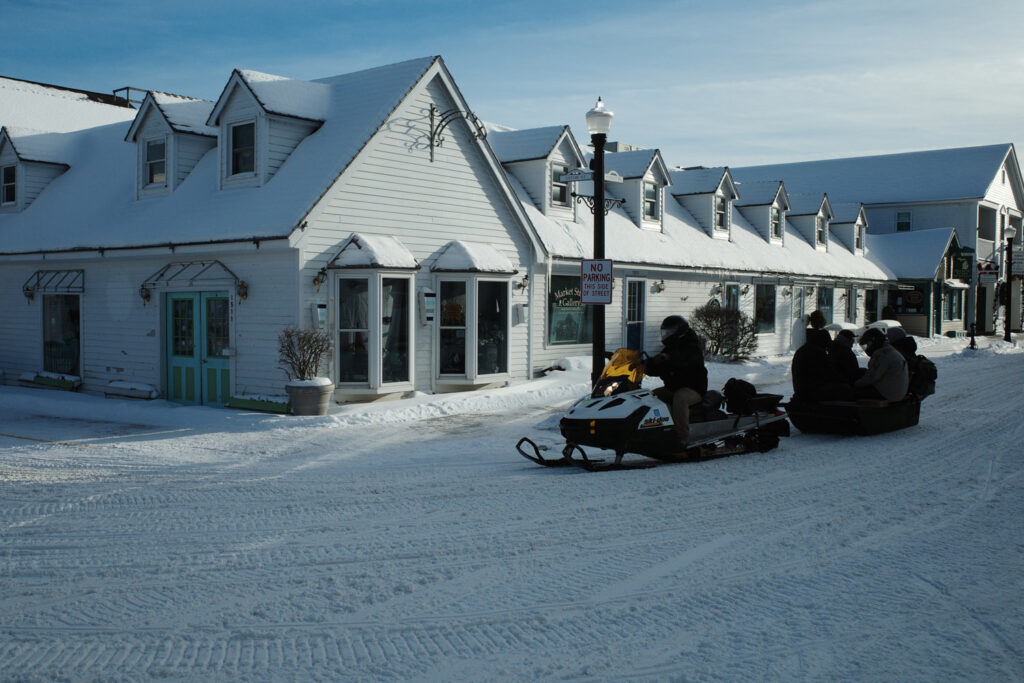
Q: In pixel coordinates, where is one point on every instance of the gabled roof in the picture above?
(702, 181)
(912, 255)
(182, 114)
(277, 95)
(941, 174)
(373, 251)
(54, 108)
(810, 203)
(530, 143)
(35, 145)
(762, 193)
(636, 163)
(91, 206)
(849, 212)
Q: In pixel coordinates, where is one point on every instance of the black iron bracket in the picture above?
(589, 201)
(439, 121)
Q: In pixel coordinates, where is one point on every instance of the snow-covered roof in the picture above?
(632, 164)
(523, 145)
(697, 180)
(91, 205)
(803, 204)
(941, 174)
(846, 212)
(279, 95)
(759, 193)
(373, 251)
(185, 114)
(472, 257)
(36, 145)
(913, 255)
(52, 108)
(683, 243)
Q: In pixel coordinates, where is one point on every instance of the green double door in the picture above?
(198, 344)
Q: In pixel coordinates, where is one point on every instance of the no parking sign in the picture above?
(596, 280)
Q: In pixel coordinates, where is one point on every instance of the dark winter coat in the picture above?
(843, 359)
(814, 377)
(681, 364)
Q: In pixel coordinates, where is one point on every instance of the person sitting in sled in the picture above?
(814, 377)
(842, 358)
(680, 365)
(886, 377)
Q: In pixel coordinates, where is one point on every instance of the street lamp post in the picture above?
(1010, 233)
(599, 122)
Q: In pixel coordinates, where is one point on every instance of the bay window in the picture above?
(374, 330)
(473, 328)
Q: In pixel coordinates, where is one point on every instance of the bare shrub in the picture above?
(301, 352)
(727, 333)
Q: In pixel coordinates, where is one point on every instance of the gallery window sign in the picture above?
(569, 320)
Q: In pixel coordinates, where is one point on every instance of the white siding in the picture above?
(394, 189)
(283, 136)
(241, 107)
(35, 178)
(702, 208)
(188, 150)
(532, 175)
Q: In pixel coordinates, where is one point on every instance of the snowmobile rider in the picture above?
(680, 365)
(886, 376)
(814, 377)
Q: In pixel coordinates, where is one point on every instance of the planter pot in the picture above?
(310, 397)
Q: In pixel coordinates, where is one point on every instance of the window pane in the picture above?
(569, 321)
(10, 194)
(732, 297)
(243, 147)
(492, 326)
(182, 328)
(394, 330)
(155, 150)
(635, 314)
(353, 330)
(453, 328)
(156, 173)
(61, 334)
(217, 330)
(764, 308)
(8, 174)
(825, 302)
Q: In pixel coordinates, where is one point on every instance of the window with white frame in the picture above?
(903, 221)
(9, 178)
(820, 230)
(62, 334)
(858, 236)
(452, 326)
(721, 213)
(764, 308)
(559, 189)
(243, 148)
(156, 162)
(492, 327)
(953, 303)
(775, 223)
(825, 296)
(374, 330)
(473, 327)
(650, 201)
(635, 299)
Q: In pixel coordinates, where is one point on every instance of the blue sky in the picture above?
(712, 83)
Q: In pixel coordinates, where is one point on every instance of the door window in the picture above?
(635, 314)
(61, 334)
(492, 327)
(353, 330)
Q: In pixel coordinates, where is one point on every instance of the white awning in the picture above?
(373, 251)
(956, 284)
(472, 257)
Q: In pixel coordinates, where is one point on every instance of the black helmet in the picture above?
(872, 340)
(673, 328)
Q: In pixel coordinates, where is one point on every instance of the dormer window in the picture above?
(156, 162)
(650, 201)
(9, 191)
(721, 213)
(243, 148)
(559, 189)
(902, 221)
(820, 230)
(858, 237)
(775, 223)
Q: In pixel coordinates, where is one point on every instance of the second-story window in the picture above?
(243, 148)
(819, 226)
(721, 213)
(858, 236)
(9, 193)
(902, 221)
(776, 223)
(650, 201)
(559, 189)
(156, 162)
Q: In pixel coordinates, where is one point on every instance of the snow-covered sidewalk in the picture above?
(408, 540)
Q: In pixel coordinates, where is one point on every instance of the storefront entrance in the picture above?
(198, 348)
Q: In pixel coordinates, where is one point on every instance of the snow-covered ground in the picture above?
(408, 540)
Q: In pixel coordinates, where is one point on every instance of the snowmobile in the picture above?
(864, 417)
(622, 417)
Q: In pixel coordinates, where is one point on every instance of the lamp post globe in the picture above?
(599, 122)
(1010, 232)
